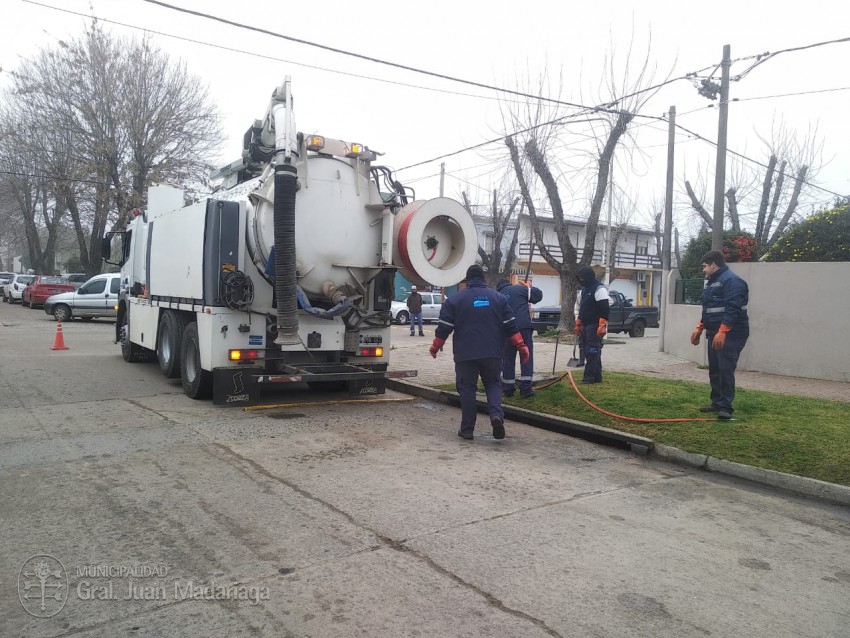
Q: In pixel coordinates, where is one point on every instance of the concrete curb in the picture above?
(587, 431)
(788, 482)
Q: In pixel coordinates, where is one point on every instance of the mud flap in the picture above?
(236, 386)
(366, 387)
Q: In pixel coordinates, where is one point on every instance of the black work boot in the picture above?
(498, 428)
(724, 415)
(709, 408)
(465, 435)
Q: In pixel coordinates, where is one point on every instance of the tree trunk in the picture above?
(697, 206)
(777, 191)
(765, 198)
(792, 205)
(731, 198)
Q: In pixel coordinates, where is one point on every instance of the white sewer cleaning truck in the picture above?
(285, 273)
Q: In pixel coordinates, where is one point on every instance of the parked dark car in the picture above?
(623, 316)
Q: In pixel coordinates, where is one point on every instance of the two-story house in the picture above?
(636, 270)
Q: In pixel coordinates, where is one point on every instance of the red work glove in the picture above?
(602, 328)
(696, 334)
(577, 329)
(436, 346)
(720, 338)
(519, 344)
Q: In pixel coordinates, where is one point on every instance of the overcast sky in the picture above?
(495, 43)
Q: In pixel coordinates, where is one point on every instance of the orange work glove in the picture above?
(577, 329)
(720, 338)
(436, 346)
(697, 333)
(602, 328)
(519, 344)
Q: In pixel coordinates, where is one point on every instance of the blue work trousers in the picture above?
(526, 370)
(721, 369)
(414, 317)
(592, 353)
(466, 382)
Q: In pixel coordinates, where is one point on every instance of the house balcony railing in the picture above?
(621, 259)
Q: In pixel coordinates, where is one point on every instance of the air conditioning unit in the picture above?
(640, 276)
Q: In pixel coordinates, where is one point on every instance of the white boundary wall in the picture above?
(799, 320)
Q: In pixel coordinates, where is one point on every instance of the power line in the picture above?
(757, 162)
(604, 107)
(767, 55)
(812, 92)
(261, 55)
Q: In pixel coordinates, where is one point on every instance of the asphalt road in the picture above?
(156, 515)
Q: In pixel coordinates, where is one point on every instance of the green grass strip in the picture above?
(797, 435)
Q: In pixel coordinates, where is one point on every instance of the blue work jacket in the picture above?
(519, 297)
(481, 320)
(724, 300)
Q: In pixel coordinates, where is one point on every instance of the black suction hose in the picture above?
(286, 285)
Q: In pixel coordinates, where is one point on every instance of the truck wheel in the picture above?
(402, 318)
(638, 328)
(168, 343)
(197, 382)
(62, 313)
(131, 352)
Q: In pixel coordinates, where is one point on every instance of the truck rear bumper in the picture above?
(239, 386)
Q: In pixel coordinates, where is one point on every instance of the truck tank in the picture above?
(345, 233)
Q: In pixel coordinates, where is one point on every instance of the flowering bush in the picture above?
(737, 246)
(825, 236)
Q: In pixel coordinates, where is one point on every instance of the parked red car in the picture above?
(43, 287)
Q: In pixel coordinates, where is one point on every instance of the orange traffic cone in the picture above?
(59, 342)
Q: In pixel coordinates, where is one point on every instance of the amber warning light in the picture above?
(244, 355)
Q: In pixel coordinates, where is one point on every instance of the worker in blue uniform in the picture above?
(727, 325)
(592, 322)
(481, 320)
(519, 296)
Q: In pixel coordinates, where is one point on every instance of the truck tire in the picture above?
(402, 318)
(638, 328)
(131, 352)
(197, 382)
(169, 340)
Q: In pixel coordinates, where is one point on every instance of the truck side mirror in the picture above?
(106, 248)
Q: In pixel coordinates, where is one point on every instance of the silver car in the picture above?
(432, 303)
(95, 298)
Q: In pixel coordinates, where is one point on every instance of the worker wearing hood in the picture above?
(592, 322)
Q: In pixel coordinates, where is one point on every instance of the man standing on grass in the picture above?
(727, 326)
(592, 323)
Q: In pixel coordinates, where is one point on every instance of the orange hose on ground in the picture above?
(611, 414)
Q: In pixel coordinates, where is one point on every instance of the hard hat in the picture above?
(413, 287)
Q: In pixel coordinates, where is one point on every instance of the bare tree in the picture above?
(503, 213)
(534, 153)
(113, 116)
(768, 195)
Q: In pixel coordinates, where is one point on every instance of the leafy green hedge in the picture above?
(825, 236)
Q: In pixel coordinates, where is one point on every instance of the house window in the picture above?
(489, 242)
(641, 250)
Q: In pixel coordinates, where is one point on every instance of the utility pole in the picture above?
(668, 224)
(442, 178)
(720, 167)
